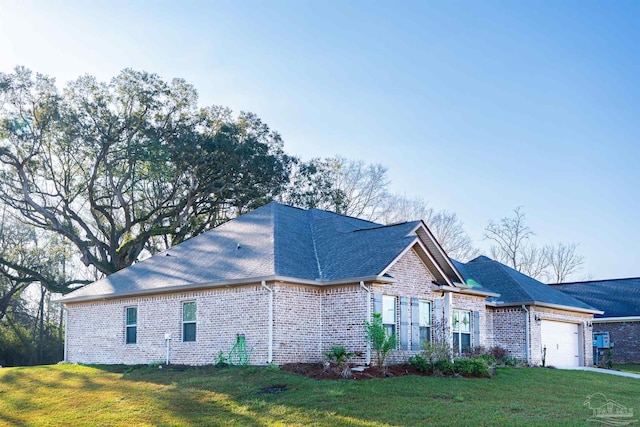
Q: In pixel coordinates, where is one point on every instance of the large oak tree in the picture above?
(132, 164)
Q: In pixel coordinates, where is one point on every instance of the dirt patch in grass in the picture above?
(319, 371)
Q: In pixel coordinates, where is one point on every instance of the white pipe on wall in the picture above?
(368, 319)
(270, 321)
(527, 333)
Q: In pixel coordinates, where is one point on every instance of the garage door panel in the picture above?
(562, 343)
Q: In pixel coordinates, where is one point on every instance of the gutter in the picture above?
(527, 329)
(616, 319)
(368, 319)
(224, 283)
(270, 322)
(66, 335)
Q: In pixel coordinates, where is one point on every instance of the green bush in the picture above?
(420, 363)
(444, 366)
(471, 367)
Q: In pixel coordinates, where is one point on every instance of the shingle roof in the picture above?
(617, 297)
(274, 240)
(513, 286)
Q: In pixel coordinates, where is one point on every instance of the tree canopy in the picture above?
(133, 164)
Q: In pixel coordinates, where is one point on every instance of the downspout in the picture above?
(368, 319)
(270, 320)
(66, 335)
(527, 333)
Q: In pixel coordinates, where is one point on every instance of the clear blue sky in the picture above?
(478, 107)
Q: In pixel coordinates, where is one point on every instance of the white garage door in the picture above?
(561, 341)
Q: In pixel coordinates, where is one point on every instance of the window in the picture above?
(425, 321)
(389, 314)
(461, 330)
(131, 325)
(189, 321)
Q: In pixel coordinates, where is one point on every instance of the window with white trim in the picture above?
(189, 321)
(389, 314)
(425, 321)
(461, 326)
(131, 325)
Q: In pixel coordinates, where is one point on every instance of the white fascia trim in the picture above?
(446, 257)
(472, 291)
(616, 319)
(449, 282)
(499, 304)
(226, 283)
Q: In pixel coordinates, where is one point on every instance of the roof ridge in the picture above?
(312, 231)
(343, 215)
(384, 226)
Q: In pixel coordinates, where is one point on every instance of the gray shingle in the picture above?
(616, 297)
(274, 240)
(514, 286)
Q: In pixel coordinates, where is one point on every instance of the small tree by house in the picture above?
(381, 343)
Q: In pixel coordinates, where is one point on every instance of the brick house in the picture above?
(620, 301)
(294, 282)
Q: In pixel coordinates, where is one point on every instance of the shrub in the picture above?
(340, 356)
(380, 342)
(498, 353)
(444, 366)
(421, 364)
(471, 367)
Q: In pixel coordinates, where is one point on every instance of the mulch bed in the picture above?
(319, 371)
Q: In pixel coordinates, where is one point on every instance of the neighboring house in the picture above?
(620, 301)
(294, 282)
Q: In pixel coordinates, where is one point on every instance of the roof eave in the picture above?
(499, 304)
(616, 319)
(227, 283)
(487, 294)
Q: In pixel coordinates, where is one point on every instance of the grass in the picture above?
(145, 396)
(628, 367)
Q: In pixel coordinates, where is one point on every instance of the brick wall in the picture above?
(297, 323)
(509, 326)
(95, 330)
(626, 337)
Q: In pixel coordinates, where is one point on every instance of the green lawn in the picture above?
(83, 395)
(628, 367)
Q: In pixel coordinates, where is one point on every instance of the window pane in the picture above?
(189, 312)
(390, 329)
(188, 332)
(465, 321)
(456, 320)
(425, 313)
(456, 343)
(132, 316)
(131, 334)
(466, 341)
(425, 334)
(388, 309)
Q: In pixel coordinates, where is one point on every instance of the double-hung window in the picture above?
(131, 325)
(425, 321)
(461, 330)
(389, 314)
(189, 321)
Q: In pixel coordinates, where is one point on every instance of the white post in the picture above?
(270, 320)
(167, 338)
(66, 335)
